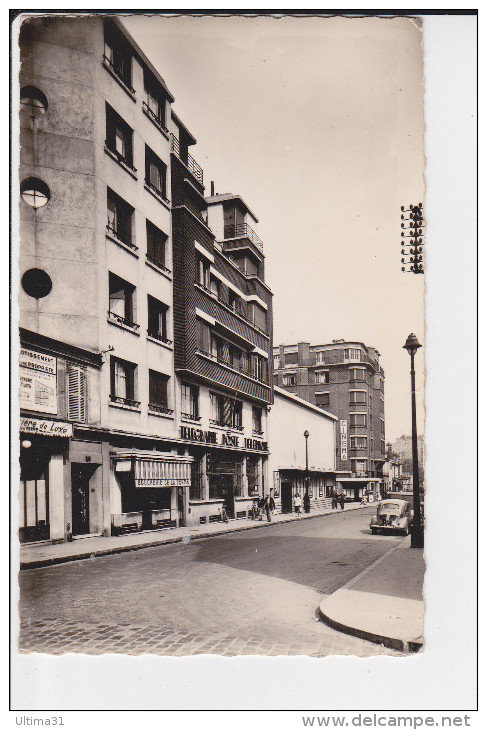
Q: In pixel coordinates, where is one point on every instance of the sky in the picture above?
(318, 124)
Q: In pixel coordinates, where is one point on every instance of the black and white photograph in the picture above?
(220, 248)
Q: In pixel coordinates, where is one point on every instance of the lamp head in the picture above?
(306, 434)
(412, 344)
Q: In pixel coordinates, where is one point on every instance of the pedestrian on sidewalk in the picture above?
(334, 500)
(297, 503)
(342, 500)
(261, 506)
(224, 514)
(306, 503)
(267, 508)
(272, 504)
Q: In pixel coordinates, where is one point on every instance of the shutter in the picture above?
(76, 394)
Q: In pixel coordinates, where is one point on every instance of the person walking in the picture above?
(334, 500)
(297, 503)
(267, 508)
(342, 500)
(272, 504)
(261, 506)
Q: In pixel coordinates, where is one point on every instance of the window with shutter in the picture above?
(76, 394)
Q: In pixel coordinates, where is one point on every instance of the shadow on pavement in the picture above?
(322, 563)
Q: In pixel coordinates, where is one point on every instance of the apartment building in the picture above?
(346, 379)
(113, 242)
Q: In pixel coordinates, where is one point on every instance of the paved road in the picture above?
(249, 593)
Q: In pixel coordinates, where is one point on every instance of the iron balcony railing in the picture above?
(118, 319)
(153, 116)
(154, 408)
(120, 237)
(243, 230)
(156, 262)
(190, 163)
(158, 336)
(124, 401)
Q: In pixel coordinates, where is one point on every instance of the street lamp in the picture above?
(306, 477)
(417, 529)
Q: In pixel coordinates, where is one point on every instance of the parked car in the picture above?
(395, 515)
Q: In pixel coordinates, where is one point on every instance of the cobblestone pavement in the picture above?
(247, 593)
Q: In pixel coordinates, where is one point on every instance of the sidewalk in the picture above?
(383, 604)
(39, 555)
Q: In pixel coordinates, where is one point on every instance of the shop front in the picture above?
(357, 490)
(44, 444)
(287, 483)
(228, 471)
(149, 490)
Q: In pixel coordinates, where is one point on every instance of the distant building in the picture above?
(346, 379)
(288, 419)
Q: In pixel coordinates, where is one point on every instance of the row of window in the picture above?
(121, 308)
(224, 410)
(350, 354)
(121, 225)
(223, 351)
(119, 141)
(251, 311)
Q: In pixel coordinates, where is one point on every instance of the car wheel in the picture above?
(373, 530)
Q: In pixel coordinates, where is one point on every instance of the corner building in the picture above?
(113, 230)
(346, 379)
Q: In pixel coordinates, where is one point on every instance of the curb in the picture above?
(101, 552)
(404, 646)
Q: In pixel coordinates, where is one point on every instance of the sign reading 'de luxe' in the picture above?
(45, 427)
(38, 387)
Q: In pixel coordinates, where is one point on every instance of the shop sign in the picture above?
(45, 427)
(210, 437)
(343, 440)
(38, 387)
(162, 473)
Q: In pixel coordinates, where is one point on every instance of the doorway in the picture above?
(286, 497)
(80, 498)
(227, 493)
(181, 510)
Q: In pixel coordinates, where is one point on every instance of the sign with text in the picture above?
(43, 427)
(343, 440)
(188, 433)
(38, 387)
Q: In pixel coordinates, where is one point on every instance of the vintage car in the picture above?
(393, 515)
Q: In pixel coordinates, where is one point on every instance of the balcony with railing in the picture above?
(123, 322)
(238, 231)
(186, 159)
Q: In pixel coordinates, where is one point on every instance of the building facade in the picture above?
(289, 419)
(116, 263)
(346, 379)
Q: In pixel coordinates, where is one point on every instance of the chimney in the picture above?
(212, 188)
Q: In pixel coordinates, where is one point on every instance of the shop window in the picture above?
(196, 490)
(119, 218)
(119, 137)
(158, 389)
(190, 401)
(257, 419)
(121, 301)
(33, 101)
(156, 246)
(117, 57)
(76, 394)
(253, 475)
(155, 173)
(35, 192)
(36, 283)
(157, 319)
(122, 382)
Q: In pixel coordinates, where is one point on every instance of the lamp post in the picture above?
(306, 477)
(417, 529)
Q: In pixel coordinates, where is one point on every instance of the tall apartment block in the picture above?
(146, 328)
(345, 379)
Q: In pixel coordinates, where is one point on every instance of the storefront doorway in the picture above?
(80, 497)
(34, 490)
(227, 493)
(286, 497)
